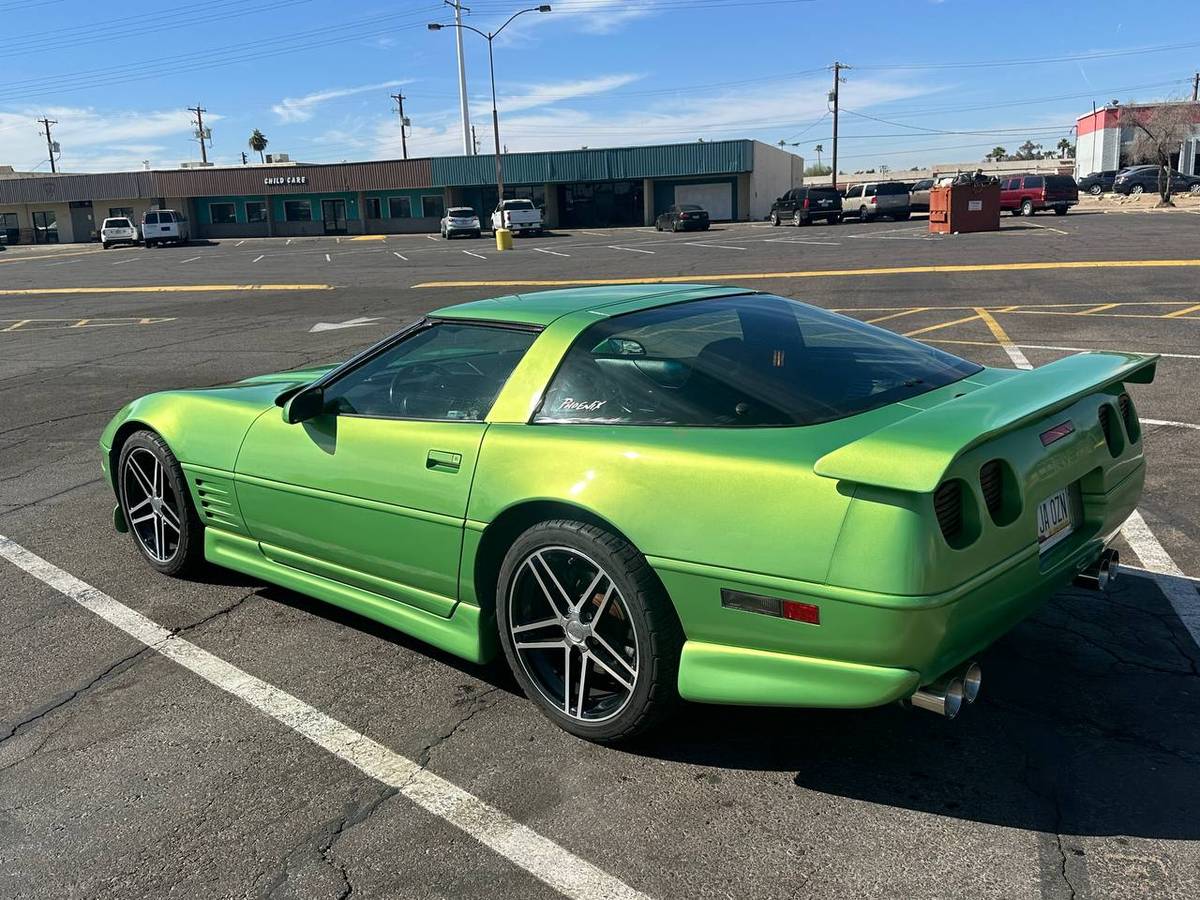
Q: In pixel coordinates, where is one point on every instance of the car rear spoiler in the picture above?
(915, 453)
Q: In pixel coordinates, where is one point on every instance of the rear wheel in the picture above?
(1096, 190)
(836, 219)
(156, 505)
(1027, 207)
(902, 217)
(1060, 210)
(104, 245)
(588, 631)
(775, 219)
(1136, 189)
(863, 215)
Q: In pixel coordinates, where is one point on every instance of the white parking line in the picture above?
(597, 233)
(121, 262)
(433, 237)
(1019, 359)
(718, 246)
(1094, 350)
(239, 243)
(798, 241)
(1169, 422)
(405, 258)
(473, 253)
(551, 252)
(1048, 228)
(65, 262)
(327, 259)
(289, 240)
(541, 857)
(630, 249)
(1170, 578)
(257, 258)
(192, 259)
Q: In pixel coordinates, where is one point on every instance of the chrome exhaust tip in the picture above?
(943, 697)
(1100, 575)
(972, 679)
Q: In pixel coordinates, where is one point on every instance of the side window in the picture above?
(445, 372)
(1033, 182)
(869, 190)
(1012, 184)
(151, 218)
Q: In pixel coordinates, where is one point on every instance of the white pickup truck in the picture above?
(518, 216)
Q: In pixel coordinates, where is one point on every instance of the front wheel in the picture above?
(156, 506)
(105, 245)
(1136, 190)
(1096, 190)
(775, 219)
(588, 630)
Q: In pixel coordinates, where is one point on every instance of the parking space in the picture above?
(293, 750)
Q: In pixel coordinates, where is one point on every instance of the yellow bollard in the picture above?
(503, 239)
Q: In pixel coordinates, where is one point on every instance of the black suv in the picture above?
(804, 205)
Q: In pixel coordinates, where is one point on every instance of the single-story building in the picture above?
(1104, 138)
(733, 180)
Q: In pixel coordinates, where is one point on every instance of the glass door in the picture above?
(333, 214)
(45, 227)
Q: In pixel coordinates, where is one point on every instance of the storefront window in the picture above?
(399, 208)
(121, 212)
(256, 211)
(45, 227)
(297, 210)
(222, 213)
(9, 232)
(433, 207)
(373, 208)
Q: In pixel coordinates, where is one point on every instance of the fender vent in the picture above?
(1108, 425)
(947, 503)
(991, 482)
(1129, 417)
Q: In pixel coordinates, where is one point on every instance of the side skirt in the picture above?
(467, 633)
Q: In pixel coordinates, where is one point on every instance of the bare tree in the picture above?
(1157, 134)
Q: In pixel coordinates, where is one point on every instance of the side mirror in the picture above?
(307, 404)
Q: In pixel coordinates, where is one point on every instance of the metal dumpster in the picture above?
(965, 206)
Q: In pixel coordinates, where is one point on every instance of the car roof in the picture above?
(543, 307)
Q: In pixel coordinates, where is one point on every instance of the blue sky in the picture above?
(315, 76)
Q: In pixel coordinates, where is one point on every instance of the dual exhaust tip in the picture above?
(1101, 574)
(947, 695)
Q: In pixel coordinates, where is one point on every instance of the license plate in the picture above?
(1054, 519)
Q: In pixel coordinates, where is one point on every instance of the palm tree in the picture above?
(1065, 149)
(819, 148)
(997, 154)
(258, 143)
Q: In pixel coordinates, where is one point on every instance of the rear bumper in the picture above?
(869, 648)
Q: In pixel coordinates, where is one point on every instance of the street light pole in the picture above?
(490, 36)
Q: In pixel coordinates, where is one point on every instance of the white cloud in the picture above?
(96, 141)
(301, 109)
(546, 94)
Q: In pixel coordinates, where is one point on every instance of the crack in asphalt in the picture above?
(17, 508)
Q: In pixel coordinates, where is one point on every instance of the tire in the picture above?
(1136, 190)
(862, 214)
(674, 228)
(657, 225)
(146, 470)
(637, 618)
(1194, 190)
(775, 219)
(835, 219)
(1096, 190)
(1027, 207)
(902, 217)
(1060, 210)
(104, 245)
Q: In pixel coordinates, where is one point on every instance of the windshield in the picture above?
(741, 361)
(518, 204)
(461, 212)
(116, 223)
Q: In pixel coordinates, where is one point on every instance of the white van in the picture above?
(164, 226)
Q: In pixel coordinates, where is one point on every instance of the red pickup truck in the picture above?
(1025, 195)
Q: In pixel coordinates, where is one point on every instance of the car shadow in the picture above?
(1088, 724)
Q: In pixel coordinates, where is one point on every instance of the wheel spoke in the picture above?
(138, 506)
(539, 645)
(544, 623)
(554, 578)
(542, 584)
(140, 519)
(158, 552)
(615, 655)
(567, 679)
(609, 669)
(590, 590)
(583, 671)
(171, 517)
(603, 603)
(158, 478)
(147, 487)
(168, 523)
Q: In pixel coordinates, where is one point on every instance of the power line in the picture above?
(1040, 60)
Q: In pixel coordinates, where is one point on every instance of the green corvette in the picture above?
(641, 493)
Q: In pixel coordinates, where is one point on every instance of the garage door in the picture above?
(716, 198)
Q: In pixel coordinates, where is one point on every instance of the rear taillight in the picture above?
(947, 503)
(806, 203)
(1129, 417)
(872, 201)
(991, 482)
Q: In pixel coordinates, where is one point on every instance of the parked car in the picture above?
(1096, 183)
(460, 220)
(518, 216)
(1144, 179)
(876, 199)
(919, 194)
(164, 226)
(117, 230)
(684, 217)
(1025, 195)
(589, 535)
(804, 205)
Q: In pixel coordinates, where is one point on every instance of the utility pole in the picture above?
(833, 97)
(399, 98)
(467, 134)
(200, 135)
(1196, 87)
(243, 157)
(474, 143)
(49, 143)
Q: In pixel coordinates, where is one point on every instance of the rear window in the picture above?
(1060, 182)
(890, 190)
(461, 212)
(690, 207)
(151, 218)
(742, 361)
(823, 195)
(518, 204)
(117, 223)
(165, 217)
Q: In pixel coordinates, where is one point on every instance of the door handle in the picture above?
(443, 460)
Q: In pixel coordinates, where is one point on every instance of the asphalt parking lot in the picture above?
(126, 772)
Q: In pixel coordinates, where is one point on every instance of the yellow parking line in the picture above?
(905, 312)
(165, 289)
(1182, 312)
(1019, 307)
(829, 273)
(930, 328)
(1095, 309)
(369, 237)
(1006, 343)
